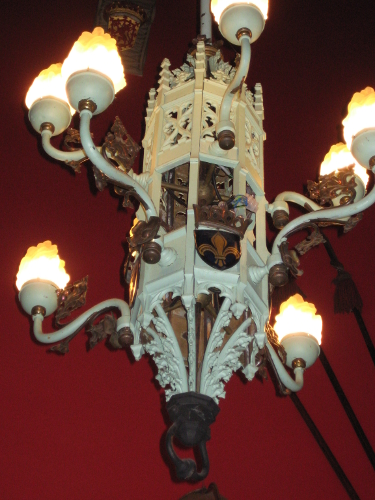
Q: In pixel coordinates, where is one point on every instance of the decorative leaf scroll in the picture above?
(70, 298)
(290, 259)
(106, 327)
(167, 355)
(72, 142)
(214, 343)
(273, 339)
(339, 184)
(192, 347)
(120, 147)
(227, 361)
(221, 71)
(314, 239)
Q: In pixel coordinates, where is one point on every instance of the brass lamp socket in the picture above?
(125, 337)
(87, 104)
(280, 219)
(372, 162)
(278, 275)
(298, 363)
(38, 310)
(47, 126)
(243, 32)
(226, 139)
(151, 252)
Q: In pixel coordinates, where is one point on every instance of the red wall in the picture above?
(91, 425)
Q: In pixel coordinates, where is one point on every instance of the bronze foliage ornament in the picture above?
(337, 184)
(119, 147)
(71, 298)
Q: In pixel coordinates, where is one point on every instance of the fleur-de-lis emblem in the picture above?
(219, 249)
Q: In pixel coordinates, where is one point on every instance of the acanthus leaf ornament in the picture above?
(70, 298)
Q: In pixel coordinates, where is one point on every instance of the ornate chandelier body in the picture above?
(199, 269)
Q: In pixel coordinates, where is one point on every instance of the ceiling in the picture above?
(91, 425)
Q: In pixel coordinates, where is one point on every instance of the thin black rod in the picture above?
(357, 313)
(348, 409)
(366, 336)
(325, 448)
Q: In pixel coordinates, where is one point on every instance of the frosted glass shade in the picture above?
(218, 6)
(96, 51)
(42, 263)
(298, 316)
(361, 114)
(49, 83)
(340, 157)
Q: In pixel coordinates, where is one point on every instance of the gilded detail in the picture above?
(219, 249)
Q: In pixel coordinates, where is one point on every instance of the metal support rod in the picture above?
(348, 409)
(325, 448)
(206, 19)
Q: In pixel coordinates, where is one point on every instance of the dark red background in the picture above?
(89, 425)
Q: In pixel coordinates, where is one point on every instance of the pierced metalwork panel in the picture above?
(133, 58)
(174, 196)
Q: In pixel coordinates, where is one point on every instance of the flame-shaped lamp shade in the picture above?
(359, 126)
(93, 70)
(233, 15)
(340, 157)
(41, 274)
(47, 100)
(299, 329)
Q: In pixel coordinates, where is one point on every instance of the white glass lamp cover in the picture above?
(42, 263)
(218, 6)
(48, 102)
(234, 16)
(298, 316)
(340, 157)
(359, 127)
(49, 83)
(96, 51)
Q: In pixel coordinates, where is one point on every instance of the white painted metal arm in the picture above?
(286, 379)
(299, 199)
(56, 153)
(241, 74)
(49, 338)
(324, 214)
(115, 175)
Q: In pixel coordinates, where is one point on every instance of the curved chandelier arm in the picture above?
(324, 214)
(186, 469)
(49, 338)
(118, 177)
(240, 75)
(293, 385)
(56, 153)
(299, 199)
